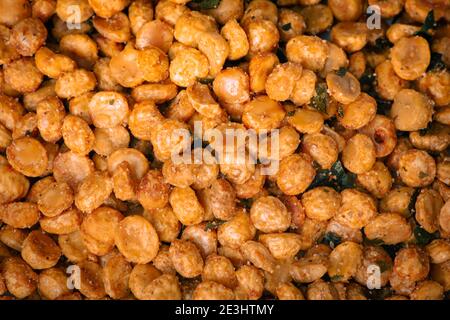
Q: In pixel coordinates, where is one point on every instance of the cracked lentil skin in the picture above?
(89, 123)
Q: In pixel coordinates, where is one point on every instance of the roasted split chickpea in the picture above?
(238, 230)
(231, 85)
(28, 156)
(310, 51)
(108, 109)
(282, 245)
(186, 206)
(378, 180)
(165, 223)
(93, 191)
(350, 36)
(67, 222)
(23, 75)
(250, 282)
(91, 280)
(374, 255)
(155, 33)
(306, 121)
(137, 239)
(75, 83)
(344, 260)
(191, 26)
(20, 214)
(170, 137)
(210, 290)
(346, 89)
(77, 134)
(381, 130)
(81, 48)
(262, 113)
(359, 154)
(52, 283)
(269, 214)
(258, 255)
(205, 239)
(237, 40)
(417, 168)
(187, 66)
(357, 209)
(281, 81)
(40, 251)
(124, 67)
(318, 18)
(410, 57)
(54, 199)
(391, 228)
(262, 35)
(412, 262)
(438, 250)
(219, 269)
(152, 191)
(260, 66)
(28, 36)
(170, 11)
(157, 92)
(115, 28)
(295, 174)
(186, 258)
(20, 279)
(72, 168)
(322, 148)
(321, 203)
(140, 12)
(64, 10)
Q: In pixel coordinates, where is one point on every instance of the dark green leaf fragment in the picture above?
(337, 178)
(205, 80)
(436, 62)
(340, 111)
(336, 278)
(214, 224)
(331, 239)
(423, 237)
(428, 24)
(341, 72)
(290, 113)
(286, 27)
(205, 4)
(320, 100)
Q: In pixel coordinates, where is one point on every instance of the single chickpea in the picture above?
(124, 67)
(410, 57)
(322, 148)
(350, 36)
(72, 168)
(231, 85)
(321, 203)
(236, 231)
(263, 35)
(152, 192)
(301, 49)
(23, 75)
(108, 109)
(40, 251)
(93, 191)
(282, 245)
(106, 9)
(417, 168)
(378, 181)
(391, 228)
(262, 113)
(359, 154)
(137, 239)
(237, 40)
(91, 280)
(295, 174)
(210, 290)
(75, 83)
(165, 223)
(28, 36)
(306, 121)
(77, 134)
(14, 11)
(187, 66)
(412, 262)
(140, 12)
(64, 10)
(344, 260)
(186, 258)
(116, 274)
(155, 33)
(258, 255)
(357, 209)
(260, 66)
(138, 162)
(250, 282)
(115, 28)
(304, 88)
(269, 214)
(20, 279)
(67, 222)
(81, 48)
(318, 18)
(170, 138)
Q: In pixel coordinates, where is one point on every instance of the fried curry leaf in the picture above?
(214, 224)
(246, 203)
(205, 80)
(336, 278)
(331, 239)
(320, 100)
(423, 237)
(412, 202)
(436, 62)
(428, 24)
(205, 4)
(286, 27)
(382, 44)
(337, 178)
(379, 294)
(341, 72)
